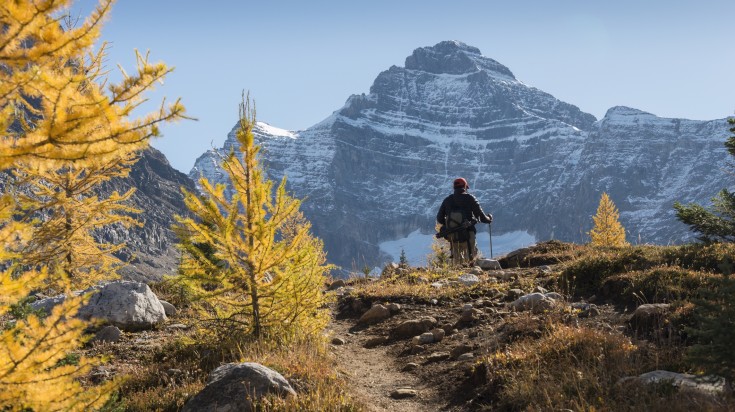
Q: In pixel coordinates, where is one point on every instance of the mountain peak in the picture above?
(625, 111)
(453, 57)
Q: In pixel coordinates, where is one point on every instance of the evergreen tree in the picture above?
(62, 134)
(717, 224)
(403, 260)
(250, 260)
(607, 230)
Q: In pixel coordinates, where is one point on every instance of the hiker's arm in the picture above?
(477, 211)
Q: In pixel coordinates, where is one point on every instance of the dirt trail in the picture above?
(373, 374)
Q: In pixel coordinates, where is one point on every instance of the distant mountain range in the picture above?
(377, 169)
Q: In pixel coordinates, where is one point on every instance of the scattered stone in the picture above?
(477, 270)
(426, 338)
(469, 315)
(357, 305)
(168, 308)
(434, 301)
(177, 326)
(709, 385)
(393, 308)
(468, 279)
(460, 350)
(466, 356)
(233, 386)
(338, 341)
(437, 285)
(438, 334)
(539, 289)
(437, 357)
(377, 313)
(514, 294)
(535, 302)
(554, 295)
(488, 264)
(403, 393)
(545, 270)
(375, 341)
(414, 327)
(109, 333)
(410, 367)
(492, 279)
(422, 279)
(339, 283)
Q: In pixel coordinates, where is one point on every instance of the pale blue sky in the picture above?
(302, 59)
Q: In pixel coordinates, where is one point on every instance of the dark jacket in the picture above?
(463, 201)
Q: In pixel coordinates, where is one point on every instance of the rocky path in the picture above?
(374, 375)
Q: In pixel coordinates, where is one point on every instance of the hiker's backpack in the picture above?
(456, 217)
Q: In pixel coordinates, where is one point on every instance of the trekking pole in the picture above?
(490, 229)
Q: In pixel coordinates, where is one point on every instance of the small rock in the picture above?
(110, 334)
(403, 393)
(357, 305)
(410, 367)
(469, 315)
(438, 334)
(376, 314)
(426, 338)
(393, 308)
(545, 270)
(466, 356)
(375, 341)
(539, 289)
(488, 264)
(338, 341)
(434, 301)
(177, 326)
(168, 308)
(590, 312)
(535, 302)
(460, 350)
(554, 295)
(437, 357)
(437, 285)
(477, 270)
(468, 279)
(492, 279)
(680, 380)
(339, 283)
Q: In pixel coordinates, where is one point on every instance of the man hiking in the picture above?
(458, 215)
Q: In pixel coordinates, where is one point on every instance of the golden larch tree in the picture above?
(249, 259)
(65, 129)
(607, 230)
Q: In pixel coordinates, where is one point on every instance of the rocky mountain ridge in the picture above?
(377, 169)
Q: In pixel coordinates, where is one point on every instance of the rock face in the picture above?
(150, 251)
(233, 386)
(378, 168)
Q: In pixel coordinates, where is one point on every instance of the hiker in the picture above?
(458, 214)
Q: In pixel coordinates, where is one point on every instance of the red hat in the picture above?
(461, 182)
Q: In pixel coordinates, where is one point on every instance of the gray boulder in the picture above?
(468, 279)
(127, 305)
(375, 314)
(707, 384)
(535, 302)
(168, 308)
(109, 334)
(488, 264)
(234, 386)
(414, 327)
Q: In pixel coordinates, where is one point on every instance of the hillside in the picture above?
(448, 341)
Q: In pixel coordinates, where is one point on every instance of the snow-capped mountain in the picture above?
(377, 169)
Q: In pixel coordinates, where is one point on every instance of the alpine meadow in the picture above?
(454, 239)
